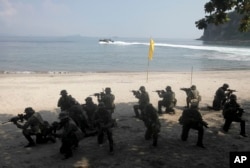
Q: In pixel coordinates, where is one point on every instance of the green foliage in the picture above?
(218, 13)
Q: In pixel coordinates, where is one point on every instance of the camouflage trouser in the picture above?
(138, 109)
(218, 103)
(67, 144)
(28, 133)
(195, 126)
(100, 137)
(152, 133)
(229, 120)
(169, 106)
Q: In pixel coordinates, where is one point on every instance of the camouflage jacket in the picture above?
(70, 128)
(168, 97)
(108, 100)
(151, 119)
(220, 94)
(194, 94)
(65, 102)
(143, 98)
(190, 116)
(231, 110)
(35, 123)
(103, 119)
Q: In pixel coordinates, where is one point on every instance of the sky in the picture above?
(102, 18)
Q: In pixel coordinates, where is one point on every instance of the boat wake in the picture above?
(235, 53)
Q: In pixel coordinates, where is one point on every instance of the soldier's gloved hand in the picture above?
(205, 124)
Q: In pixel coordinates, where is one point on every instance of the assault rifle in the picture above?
(135, 92)
(228, 94)
(187, 90)
(98, 95)
(230, 90)
(19, 117)
(159, 91)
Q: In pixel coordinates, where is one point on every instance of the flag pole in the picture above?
(147, 70)
(191, 76)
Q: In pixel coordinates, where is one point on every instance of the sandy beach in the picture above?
(42, 91)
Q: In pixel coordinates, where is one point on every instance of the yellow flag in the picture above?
(151, 49)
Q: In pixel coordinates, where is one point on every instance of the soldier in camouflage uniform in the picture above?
(144, 100)
(192, 119)
(32, 126)
(193, 95)
(169, 100)
(90, 107)
(232, 112)
(152, 124)
(70, 136)
(66, 101)
(108, 99)
(104, 123)
(220, 97)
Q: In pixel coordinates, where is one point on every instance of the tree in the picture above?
(218, 13)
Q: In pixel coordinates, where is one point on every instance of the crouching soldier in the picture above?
(169, 100)
(32, 126)
(152, 124)
(233, 113)
(220, 97)
(192, 119)
(71, 135)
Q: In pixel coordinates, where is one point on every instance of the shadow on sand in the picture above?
(131, 149)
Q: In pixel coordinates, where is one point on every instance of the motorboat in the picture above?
(104, 41)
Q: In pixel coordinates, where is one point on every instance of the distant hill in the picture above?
(227, 32)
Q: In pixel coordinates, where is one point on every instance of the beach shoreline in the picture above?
(115, 71)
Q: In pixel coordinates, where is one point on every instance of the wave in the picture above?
(128, 43)
(228, 52)
(34, 72)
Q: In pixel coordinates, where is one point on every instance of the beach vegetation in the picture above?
(218, 13)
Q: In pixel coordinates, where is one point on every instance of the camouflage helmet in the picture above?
(29, 110)
(225, 85)
(101, 105)
(233, 97)
(193, 87)
(63, 92)
(108, 89)
(88, 99)
(142, 88)
(168, 88)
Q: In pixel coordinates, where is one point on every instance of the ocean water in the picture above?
(86, 54)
